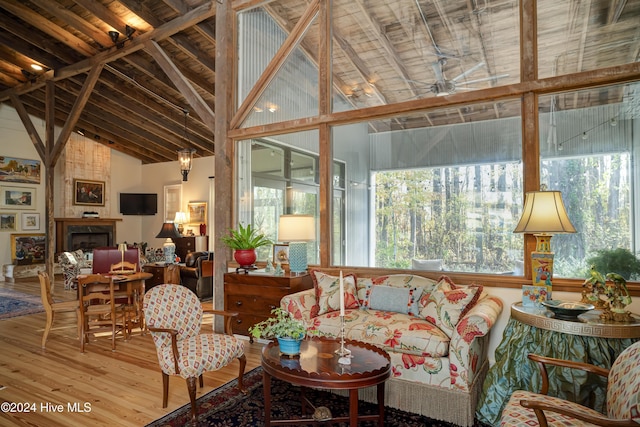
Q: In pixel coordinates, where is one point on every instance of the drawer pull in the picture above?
(238, 303)
(239, 321)
(272, 307)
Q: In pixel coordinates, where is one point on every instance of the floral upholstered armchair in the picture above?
(71, 263)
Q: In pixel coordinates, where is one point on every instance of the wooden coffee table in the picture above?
(317, 366)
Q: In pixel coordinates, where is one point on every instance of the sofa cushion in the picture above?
(448, 303)
(409, 281)
(389, 298)
(392, 331)
(327, 290)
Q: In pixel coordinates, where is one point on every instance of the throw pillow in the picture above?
(448, 303)
(365, 284)
(397, 300)
(327, 290)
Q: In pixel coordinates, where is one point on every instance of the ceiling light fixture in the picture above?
(114, 35)
(36, 67)
(185, 156)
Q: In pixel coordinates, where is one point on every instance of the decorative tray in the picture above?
(567, 310)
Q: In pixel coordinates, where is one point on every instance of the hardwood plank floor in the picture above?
(122, 388)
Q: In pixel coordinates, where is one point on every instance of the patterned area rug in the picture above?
(227, 407)
(14, 304)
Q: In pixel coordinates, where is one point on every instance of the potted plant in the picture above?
(287, 330)
(244, 242)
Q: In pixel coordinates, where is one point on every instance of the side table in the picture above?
(534, 330)
(255, 294)
(162, 273)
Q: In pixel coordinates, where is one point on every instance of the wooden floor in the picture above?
(121, 388)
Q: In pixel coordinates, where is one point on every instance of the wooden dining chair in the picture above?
(99, 310)
(51, 307)
(124, 267)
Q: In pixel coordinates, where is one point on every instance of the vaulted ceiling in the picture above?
(134, 72)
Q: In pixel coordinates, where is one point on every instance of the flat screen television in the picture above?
(138, 203)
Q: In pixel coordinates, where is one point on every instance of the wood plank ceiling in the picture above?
(163, 61)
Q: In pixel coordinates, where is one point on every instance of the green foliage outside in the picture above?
(466, 214)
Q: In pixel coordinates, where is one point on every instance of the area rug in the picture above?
(227, 407)
(14, 304)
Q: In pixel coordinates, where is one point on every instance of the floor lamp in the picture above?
(543, 215)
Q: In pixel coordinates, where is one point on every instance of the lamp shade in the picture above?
(181, 218)
(544, 212)
(122, 247)
(296, 228)
(169, 230)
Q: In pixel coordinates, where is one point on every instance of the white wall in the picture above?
(15, 142)
(195, 189)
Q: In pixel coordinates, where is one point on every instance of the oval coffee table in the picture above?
(317, 366)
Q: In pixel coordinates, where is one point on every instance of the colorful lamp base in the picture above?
(298, 257)
(542, 270)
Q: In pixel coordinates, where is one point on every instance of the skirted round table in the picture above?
(534, 330)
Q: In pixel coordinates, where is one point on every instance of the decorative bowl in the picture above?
(567, 310)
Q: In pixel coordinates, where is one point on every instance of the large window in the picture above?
(437, 126)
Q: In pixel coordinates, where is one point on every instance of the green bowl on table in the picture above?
(567, 310)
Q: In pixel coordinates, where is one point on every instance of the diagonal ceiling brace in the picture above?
(184, 86)
(76, 110)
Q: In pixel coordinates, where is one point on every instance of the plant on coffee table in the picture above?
(283, 327)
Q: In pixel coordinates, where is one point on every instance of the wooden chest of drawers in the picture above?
(253, 296)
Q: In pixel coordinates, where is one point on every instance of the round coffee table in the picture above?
(317, 366)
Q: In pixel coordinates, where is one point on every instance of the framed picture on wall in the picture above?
(28, 248)
(19, 170)
(30, 221)
(197, 212)
(18, 197)
(8, 221)
(172, 201)
(89, 193)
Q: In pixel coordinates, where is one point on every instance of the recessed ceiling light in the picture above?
(36, 67)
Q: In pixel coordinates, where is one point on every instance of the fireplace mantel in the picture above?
(63, 226)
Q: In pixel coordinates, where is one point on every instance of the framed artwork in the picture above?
(28, 248)
(172, 201)
(197, 212)
(89, 193)
(13, 169)
(18, 197)
(8, 221)
(281, 253)
(30, 221)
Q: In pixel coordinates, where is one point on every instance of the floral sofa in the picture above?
(436, 333)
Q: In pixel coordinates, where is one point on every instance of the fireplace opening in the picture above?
(88, 241)
(88, 237)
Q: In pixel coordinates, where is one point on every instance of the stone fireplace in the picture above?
(84, 233)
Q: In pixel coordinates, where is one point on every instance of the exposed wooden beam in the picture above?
(74, 115)
(198, 14)
(184, 86)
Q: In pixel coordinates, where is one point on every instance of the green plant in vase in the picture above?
(244, 242)
(284, 328)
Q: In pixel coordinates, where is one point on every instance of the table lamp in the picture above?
(122, 247)
(180, 220)
(543, 215)
(297, 230)
(169, 231)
